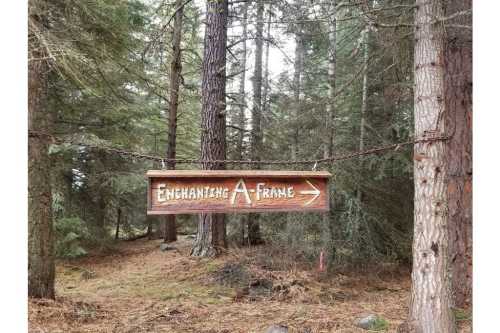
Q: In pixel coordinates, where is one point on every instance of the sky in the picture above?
(277, 60)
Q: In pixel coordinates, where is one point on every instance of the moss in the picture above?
(462, 315)
(212, 267)
(380, 324)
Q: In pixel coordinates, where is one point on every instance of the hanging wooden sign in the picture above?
(234, 191)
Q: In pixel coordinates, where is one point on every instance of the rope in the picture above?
(121, 152)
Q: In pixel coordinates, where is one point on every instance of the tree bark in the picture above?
(175, 76)
(364, 104)
(328, 221)
(211, 236)
(297, 76)
(242, 106)
(118, 220)
(149, 231)
(298, 68)
(256, 137)
(241, 91)
(364, 98)
(41, 268)
(430, 305)
(458, 117)
(332, 77)
(254, 236)
(265, 91)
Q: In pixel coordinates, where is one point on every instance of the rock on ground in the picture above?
(277, 329)
(366, 321)
(166, 247)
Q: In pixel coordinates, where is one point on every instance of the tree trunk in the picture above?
(430, 306)
(298, 68)
(332, 77)
(149, 231)
(241, 92)
(175, 76)
(254, 236)
(100, 223)
(41, 268)
(118, 220)
(458, 117)
(160, 230)
(297, 75)
(265, 91)
(328, 221)
(364, 104)
(242, 106)
(364, 98)
(211, 236)
(256, 137)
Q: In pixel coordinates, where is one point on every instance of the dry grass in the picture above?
(141, 289)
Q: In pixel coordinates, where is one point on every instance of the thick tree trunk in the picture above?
(211, 235)
(41, 268)
(254, 236)
(159, 233)
(175, 77)
(458, 117)
(430, 306)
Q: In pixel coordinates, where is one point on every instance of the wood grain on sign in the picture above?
(232, 191)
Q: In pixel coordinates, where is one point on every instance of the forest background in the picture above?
(394, 244)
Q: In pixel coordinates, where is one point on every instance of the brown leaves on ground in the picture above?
(141, 289)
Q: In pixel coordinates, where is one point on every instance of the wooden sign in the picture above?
(233, 191)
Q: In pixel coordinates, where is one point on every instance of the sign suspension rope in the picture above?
(314, 162)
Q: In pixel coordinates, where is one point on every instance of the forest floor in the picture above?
(141, 289)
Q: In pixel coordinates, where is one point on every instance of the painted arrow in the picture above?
(314, 192)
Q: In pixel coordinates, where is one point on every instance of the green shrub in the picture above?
(69, 234)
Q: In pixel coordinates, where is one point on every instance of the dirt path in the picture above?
(142, 289)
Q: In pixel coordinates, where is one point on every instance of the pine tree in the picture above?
(41, 267)
(175, 78)
(254, 236)
(211, 236)
(458, 117)
(430, 305)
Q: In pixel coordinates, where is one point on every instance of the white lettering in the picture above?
(161, 192)
(240, 188)
(259, 189)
